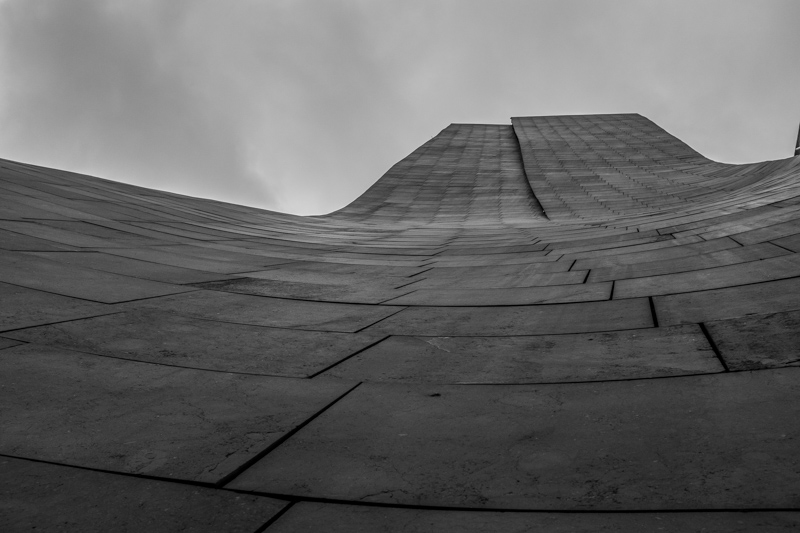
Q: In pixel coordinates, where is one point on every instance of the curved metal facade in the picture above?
(546, 324)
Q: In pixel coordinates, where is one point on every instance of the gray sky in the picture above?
(299, 106)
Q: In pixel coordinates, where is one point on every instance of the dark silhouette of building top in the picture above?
(579, 316)
(797, 144)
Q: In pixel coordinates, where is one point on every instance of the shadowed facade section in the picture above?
(571, 322)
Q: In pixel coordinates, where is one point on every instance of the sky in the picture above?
(299, 106)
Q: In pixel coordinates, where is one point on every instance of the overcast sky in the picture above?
(299, 106)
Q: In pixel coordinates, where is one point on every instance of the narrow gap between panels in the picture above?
(286, 436)
(382, 319)
(365, 348)
(387, 505)
(11, 330)
(714, 346)
(275, 517)
(653, 311)
(389, 301)
(98, 302)
(407, 284)
(148, 477)
(134, 300)
(154, 363)
(783, 247)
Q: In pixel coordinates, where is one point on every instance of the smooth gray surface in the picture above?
(143, 418)
(480, 278)
(707, 442)
(8, 343)
(22, 307)
(132, 267)
(758, 341)
(711, 278)
(170, 339)
(43, 497)
(307, 516)
(51, 276)
(365, 292)
(263, 311)
(19, 242)
(640, 353)
(163, 257)
(687, 264)
(53, 234)
(624, 256)
(507, 296)
(519, 320)
(732, 302)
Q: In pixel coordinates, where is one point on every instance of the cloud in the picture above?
(113, 87)
(300, 105)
